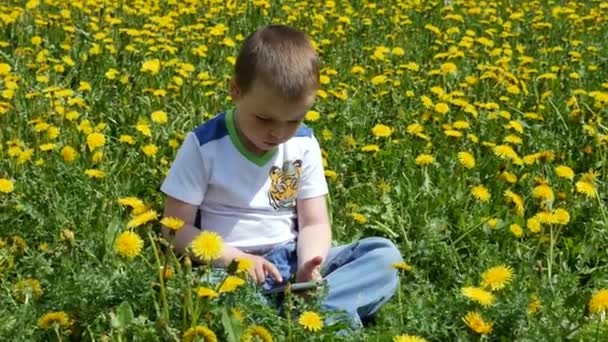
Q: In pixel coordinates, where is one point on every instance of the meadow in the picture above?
(472, 134)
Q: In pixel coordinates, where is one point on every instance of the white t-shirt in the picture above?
(249, 200)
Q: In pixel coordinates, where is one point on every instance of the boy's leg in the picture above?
(360, 277)
(285, 259)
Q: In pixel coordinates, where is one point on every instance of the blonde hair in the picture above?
(281, 57)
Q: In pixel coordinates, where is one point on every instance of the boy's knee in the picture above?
(383, 249)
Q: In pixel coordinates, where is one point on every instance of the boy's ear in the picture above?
(235, 91)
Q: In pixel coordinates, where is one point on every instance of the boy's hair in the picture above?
(283, 58)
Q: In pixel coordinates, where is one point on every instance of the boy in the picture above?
(256, 175)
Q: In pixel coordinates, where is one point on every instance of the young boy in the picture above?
(256, 175)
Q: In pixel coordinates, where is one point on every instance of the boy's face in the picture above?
(264, 119)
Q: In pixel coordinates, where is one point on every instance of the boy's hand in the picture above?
(310, 270)
(261, 267)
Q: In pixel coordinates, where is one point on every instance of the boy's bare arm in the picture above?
(314, 237)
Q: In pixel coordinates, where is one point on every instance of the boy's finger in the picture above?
(311, 265)
(274, 272)
(260, 274)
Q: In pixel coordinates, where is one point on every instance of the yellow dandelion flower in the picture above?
(379, 79)
(447, 68)
(561, 216)
(370, 148)
(505, 152)
(415, 129)
(481, 193)
(207, 245)
(564, 172)
(68, 153)
(238, 314)
(127, 139)
(586, 188)
(517, 201)
(359, 217)
(478, 295)
(442, 108)
(55, 318)
(466, 159)
(312, 116)
(599, 302)
(534, 225)
(159, 117)
(408, 338)
(151, 66)
(150, 150)
(497, 277)
(543, 192)
(26, 289)
(205, 292)
(6, 186)
(311, 321)
(128, 245)
(142, 219)
(476, 323)
(424, 159)
(516, 230)
(230, 284)
(534, 304)
(256, 332)
(93, 173)
(199, 333)
(402, 266)
(382, 131)
(95, 140)
(244, 265)
(172, 223)
(508, 177)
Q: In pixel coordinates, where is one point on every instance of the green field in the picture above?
(473, 135)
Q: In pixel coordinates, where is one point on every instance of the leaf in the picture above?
(232, 326)
(124, 316)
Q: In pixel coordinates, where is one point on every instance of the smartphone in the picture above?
(295, 287)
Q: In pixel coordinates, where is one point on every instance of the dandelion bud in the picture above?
(67, 235)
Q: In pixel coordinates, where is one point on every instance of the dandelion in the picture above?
(516, 230)
(172, 223)
(534, 304)
(533, 225)
(564, 172)
(402, 266)
(159, 117)
(199, 333)
(370, 148)
(207, 245)
(478, 295)
(312, 116)
(94, 173)
(561, 216)
(68, 153)
(585, 188)
(516, 200)
(52, 319)
(442, 108)
(360, 218)
(151, 66)
(238, 314)
(505, 152)
(476, 323)
(424, 159)
(150, 150)
(243, 265)
(205, 292)
(127, 139)
(543, 192)
(497, 277)
(382, 131)
(256, 332)
(6, 186)
(128, 245)
(408, 338)
(132, 202)
(27, 288)
(230, 284)
(311, 321)
(481, 193)
(95, 140)
(598, 304)
(466, 159)
(142, 219)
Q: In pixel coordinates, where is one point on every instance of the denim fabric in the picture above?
(359, 276)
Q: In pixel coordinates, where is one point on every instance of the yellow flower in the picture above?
(379, 79)
(599, 302)
(311, 321)
(237, 313)
(93, 173)
(203, 333)
(476, 323)
(408, 338)
(370, 148)
(142, 219)
(359, 217)
(230, 284)
(533, 225)
(132, 202)
(256, 332)
(151, 66)
(516, 230)
(127, 139)
(128, 244)
(26, 289)
(159, 116)
(150, 150)
(481, 193)
(561, 216)
(402, 266)
(68, 153)
(508, 177)
(55, 318)
(448, 68)
(6, 185)
(442, 108)
(543, 192)
(564, 172)
(534, 304)
(244, 265)
(95, 140)
(382, 131)
(424, 159)
(207, 245)
(205, 292)
(586, 188)
(466, 159)
(517, 201)
(312, 116)
(172, 223)
(497, 277)
(478, 295)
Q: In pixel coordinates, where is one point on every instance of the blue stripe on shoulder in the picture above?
(212, 130)
(304, 131)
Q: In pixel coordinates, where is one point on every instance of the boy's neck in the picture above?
(248, 145)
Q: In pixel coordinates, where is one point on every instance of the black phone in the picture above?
(295, 287)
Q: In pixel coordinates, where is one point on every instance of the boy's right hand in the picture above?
(261, 268)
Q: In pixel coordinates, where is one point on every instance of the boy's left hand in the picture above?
(309, 271)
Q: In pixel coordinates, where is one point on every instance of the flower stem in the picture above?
(161, 280)
(550, 260)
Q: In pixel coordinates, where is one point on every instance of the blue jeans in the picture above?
(359, 275)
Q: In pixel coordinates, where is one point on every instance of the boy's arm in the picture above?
(314, 237)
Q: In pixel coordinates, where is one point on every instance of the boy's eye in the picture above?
(261, 118)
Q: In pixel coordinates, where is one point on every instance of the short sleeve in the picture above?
(187, 178)
(312, 182)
